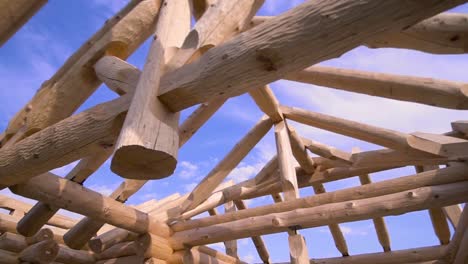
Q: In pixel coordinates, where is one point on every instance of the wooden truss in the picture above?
(228, 52)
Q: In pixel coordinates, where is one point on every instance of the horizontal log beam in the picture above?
(288, 43)
(351, 210)
(76, 198)
(429, 91)
(392, 257)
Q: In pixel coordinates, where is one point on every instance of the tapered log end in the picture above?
(137, 162)
(96, 245)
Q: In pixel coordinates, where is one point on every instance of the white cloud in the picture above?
(111, 5)
(249, 258)
(188, 169)
(189, 187)
(105, 189)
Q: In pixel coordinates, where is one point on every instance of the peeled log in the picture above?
(149, 141)
(76, 198)
(305, 35)
(14, 14)
(351, 210)
(44, 251)
(429, 91)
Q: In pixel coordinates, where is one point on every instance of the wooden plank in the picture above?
(392, 204)
(14, 14)
(74, 197)
(148, 143)
(286, 167)
(429, 91)
(439, 144)
(289, 43)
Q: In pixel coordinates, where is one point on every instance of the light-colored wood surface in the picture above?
(286, 166)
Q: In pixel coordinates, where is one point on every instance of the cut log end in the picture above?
(137, 162)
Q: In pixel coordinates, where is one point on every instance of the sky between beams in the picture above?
(54, 33)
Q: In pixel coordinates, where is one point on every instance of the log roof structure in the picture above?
(226, 52)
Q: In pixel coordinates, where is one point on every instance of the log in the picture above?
(226, 165)
(429, 178)
(7, 223)
(7, 257)
(453, 214)
(286, 167)
(108, 239)
(42, 213)
(59, 97)
(299, 151)
(256, 240)
(231, 245)
(429, 91)
(298, 249)
(439, 144)
(118, 250)
(462, 255)
(79, 235)
(335, 229)
(120, 76)
(351, 210)
(445, 33)
(389, 157)
(15, 14)
(267, 102)
(122, 260)
(148, 246)
(12, 242)
(41, 235)
(289, 43)
(74, 197)
(380, 136)
(326, 151)
(44, 251)
(393, 257)
(458, 236)
(148, 143)
(71, 256)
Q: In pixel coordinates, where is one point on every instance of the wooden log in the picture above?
(148, 246)
(44, 251)
(379, 223)
(392, 257)
(397, 203)
(7, 257)
(15, 14)
(462, 255)
(389, 157)
(439, 144)
(457, 238)
(118, 250)
(267, 102)
(335, 229)
(122, 260)
(225, 166)
(155, 261)
(194, 256)
(7, 223)
(108, 239)
(429, 91)
(231, 245)
(148, 142)
(453, 213)
(71, 256)
(298, 249)
(288, 43)
(299, 151)
(429, 178)
(326, 151)
(79, 235)
(12, 242)
(41, 235)
(74, 197)
(445, 33)
(42, 213)
(286, 167)
(58, 98)
(120, 76)
(232, 17)
(256, 240)
(380, 136)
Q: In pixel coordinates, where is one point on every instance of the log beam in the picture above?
(267, 102)
(286, 167)
(44, 251)
(441, 93)
(288, 43)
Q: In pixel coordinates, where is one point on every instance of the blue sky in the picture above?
(46, 41)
